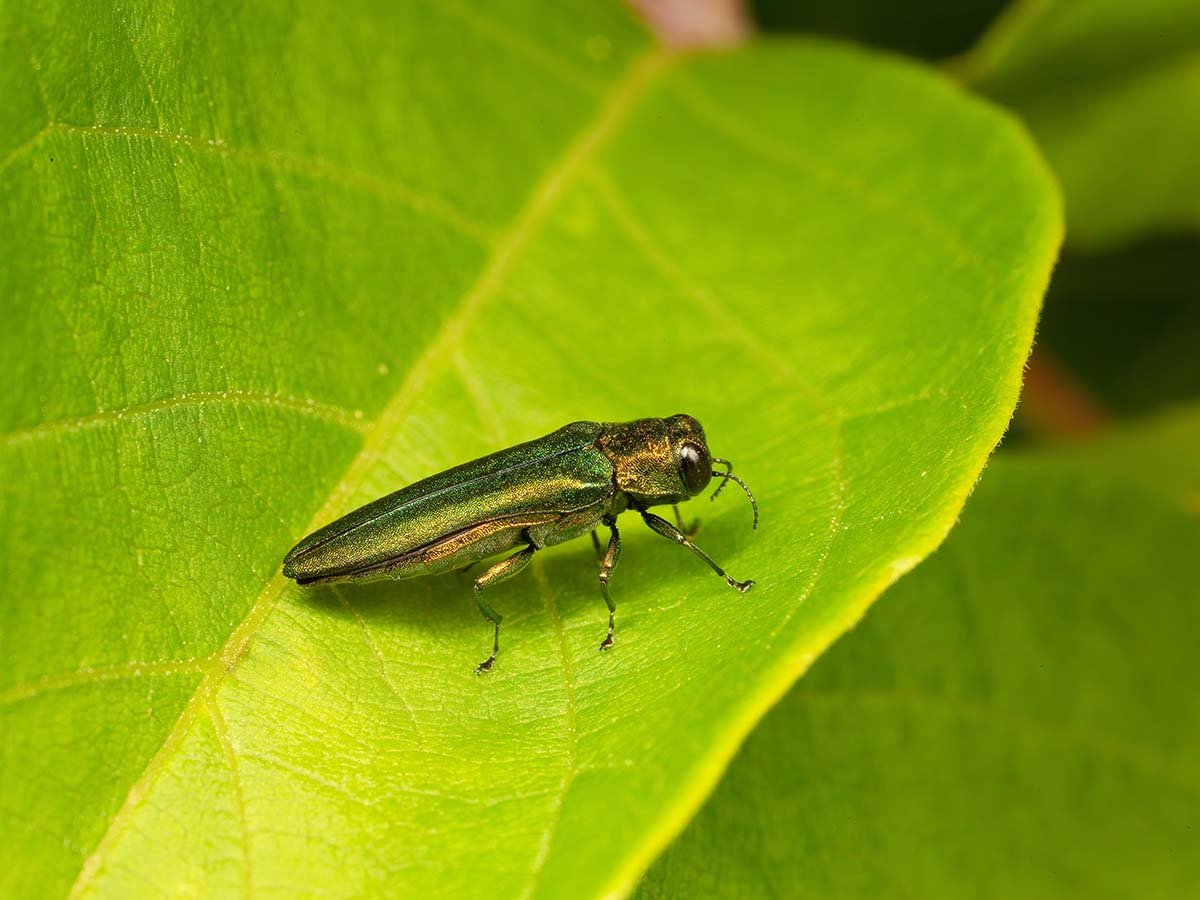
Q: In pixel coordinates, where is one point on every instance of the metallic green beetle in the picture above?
(530, 496)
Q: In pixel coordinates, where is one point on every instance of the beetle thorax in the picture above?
(643, 461)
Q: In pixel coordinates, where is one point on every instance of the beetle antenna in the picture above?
(728, 468)
(728, 476)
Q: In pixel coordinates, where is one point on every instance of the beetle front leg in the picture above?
(669, 531)
(607, 564)
(501, 571)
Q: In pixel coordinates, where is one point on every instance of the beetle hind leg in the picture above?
(607, 564)
(501, 571)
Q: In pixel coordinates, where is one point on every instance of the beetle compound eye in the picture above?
(695, 468)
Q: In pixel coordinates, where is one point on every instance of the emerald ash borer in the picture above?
(527, 497)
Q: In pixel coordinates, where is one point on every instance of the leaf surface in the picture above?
(262, 267)
(1017, 718)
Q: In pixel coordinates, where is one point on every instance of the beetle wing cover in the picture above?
(560, 472)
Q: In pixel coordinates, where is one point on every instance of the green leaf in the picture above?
(1017, 718)
(1157, 452)
(262, 267)
(1108, 88)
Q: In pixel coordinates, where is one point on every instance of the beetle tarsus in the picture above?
(608, 641)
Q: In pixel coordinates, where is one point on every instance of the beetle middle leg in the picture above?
(669, 531)
(607, 564)
(688, 530)
(501, 571)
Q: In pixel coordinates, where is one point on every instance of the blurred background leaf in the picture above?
(1127, 323)
(1106, 87)
(1157, 452)
(928, 29)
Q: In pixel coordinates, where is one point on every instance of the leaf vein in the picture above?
(357, 179)
(235, 780)
(566, 73)
(375, 651)
(724, 121)
(329, 412)
(571, 769)
(93, 675)
(661, 260)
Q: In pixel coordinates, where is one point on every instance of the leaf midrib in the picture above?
(637, 77)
